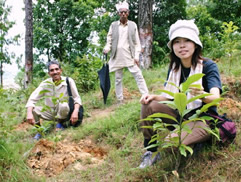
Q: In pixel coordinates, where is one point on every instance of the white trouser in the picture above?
(62, 111)
(137, 74)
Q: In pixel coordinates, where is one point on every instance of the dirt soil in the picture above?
(232, 100)
(23, 126)
(48, 158)
(232, 108)
(234, 87)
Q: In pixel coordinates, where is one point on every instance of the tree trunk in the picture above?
(145, 31)
(28, 43)
(1, 73)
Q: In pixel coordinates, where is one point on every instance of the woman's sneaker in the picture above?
(148, 159)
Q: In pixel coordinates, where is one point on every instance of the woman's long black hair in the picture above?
(197, 55)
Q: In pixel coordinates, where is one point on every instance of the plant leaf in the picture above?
(183, 150)
(186, 111)
(43, 92)
(199, 86)
(167, 145)
(61, 95)
(151, 146)
(197, 97)
(168, 92)
(173, 84)
(189, 149)
(169, 103)
(187, 129)
(191, 120)
(217, 135)
(191, 79)
(213, 103)
(148, 127)
(162, 115)
(180, 100)
(48, 82)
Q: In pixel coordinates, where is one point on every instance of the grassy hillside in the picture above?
(108, 146)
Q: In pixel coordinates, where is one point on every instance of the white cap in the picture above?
(185, 29)
(122, 5)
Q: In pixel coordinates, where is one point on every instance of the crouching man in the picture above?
(61, 110)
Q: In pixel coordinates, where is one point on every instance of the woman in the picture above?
(186, 60)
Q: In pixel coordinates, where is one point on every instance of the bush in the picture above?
(84, 72)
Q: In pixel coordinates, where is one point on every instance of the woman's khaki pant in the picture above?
(199, 134)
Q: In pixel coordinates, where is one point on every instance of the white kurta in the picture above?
(123, 56)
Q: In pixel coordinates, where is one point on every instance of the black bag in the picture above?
(227, 128)
(71, 107)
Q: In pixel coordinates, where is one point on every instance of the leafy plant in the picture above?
(230, 46)
(44, 127)
(86, 72)
(179, 103)
(56, 99)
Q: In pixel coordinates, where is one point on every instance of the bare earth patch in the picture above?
(231, 107)
(100, 113)
(233, 85)
(49, 158)
(24, 126)
(105, 112)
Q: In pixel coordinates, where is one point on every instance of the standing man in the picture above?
(124, 43)
(34, 113)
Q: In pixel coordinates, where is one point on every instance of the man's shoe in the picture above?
(59, 127)
(149, 160)
(120, 102)
(37, 136)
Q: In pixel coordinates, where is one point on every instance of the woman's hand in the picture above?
(214, 91)
(145, 99)
(196, 91)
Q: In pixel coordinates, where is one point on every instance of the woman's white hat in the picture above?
(185, 29)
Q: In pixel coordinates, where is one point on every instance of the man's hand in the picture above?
(137, 62)
(30, 118)
(105, 51)
(74, 117)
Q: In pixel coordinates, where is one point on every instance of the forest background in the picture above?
(64, 30)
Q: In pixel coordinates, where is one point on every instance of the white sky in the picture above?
(17, 15)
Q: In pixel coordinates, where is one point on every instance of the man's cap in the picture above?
(122, 5)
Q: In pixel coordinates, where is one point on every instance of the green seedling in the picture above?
(179, 103)
(50, 92)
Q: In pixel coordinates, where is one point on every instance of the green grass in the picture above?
(119, 132)
(230, 68)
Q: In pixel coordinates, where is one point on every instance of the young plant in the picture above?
(44, 127)
(50, 92)
(230, 46)
(179, 103)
